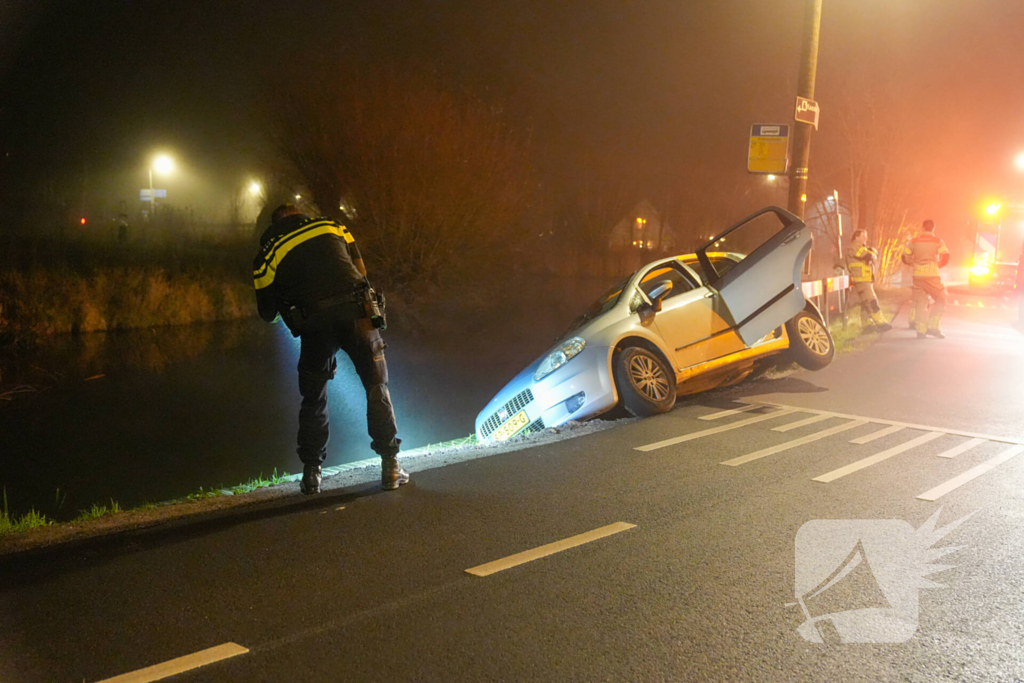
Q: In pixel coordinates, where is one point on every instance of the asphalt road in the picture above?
(363, 585)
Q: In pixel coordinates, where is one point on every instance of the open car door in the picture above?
(762, 291)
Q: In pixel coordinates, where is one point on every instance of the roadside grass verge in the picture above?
(33, 519)
(854, 338)
(97, 511)
(13, 525)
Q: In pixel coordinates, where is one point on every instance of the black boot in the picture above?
(310, 479)
(391, 474)
(935, 333)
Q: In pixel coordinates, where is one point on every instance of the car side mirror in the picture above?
(663, 289)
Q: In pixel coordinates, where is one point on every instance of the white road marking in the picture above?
(549, 549)
(877, 435)
(764, 452)
(180, 665)
(727, 413)
(802, 423)
(878, 457)
(973, 473)
(714, 430)
(908, 425)
(962, 448)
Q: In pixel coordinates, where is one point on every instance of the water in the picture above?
(147, 416)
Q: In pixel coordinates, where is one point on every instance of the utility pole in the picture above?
(802, 132)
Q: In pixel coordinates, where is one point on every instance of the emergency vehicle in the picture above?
(998, 243)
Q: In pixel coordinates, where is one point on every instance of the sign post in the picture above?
(769, 148)
(805, 90)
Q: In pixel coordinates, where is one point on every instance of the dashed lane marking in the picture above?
(962, 448)
(878, 457)
(180, 665)
(802, 423)
(907, 425)
(765, 452)
(715, 430)
(549, 549)
(956, 482)
(886, 431)
(727, 413)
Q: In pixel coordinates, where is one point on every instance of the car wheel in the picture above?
(810, 343)
(647, 385)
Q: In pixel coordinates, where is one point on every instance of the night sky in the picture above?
(660, 91)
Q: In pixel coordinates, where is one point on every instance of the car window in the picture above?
(723, 264)
(681, 281)
(604, 303)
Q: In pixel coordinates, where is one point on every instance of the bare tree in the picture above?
(436, 181)
(876, 158)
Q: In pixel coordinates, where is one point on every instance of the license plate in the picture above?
(511, 426)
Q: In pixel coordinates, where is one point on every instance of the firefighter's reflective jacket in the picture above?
(926, 253)
(301, 261)
(860, 261)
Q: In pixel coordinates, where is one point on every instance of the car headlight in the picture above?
(980, 270)
(562, 354)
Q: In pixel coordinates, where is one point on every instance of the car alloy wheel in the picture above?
(648, 377)
(814, 335)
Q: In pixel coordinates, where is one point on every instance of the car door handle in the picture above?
(709, 295)
(790, 238)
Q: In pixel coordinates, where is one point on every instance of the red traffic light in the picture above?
(82, 221)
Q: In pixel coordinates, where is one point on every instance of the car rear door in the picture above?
(762, 291)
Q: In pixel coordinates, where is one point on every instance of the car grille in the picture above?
(536, 426)
(518, 402)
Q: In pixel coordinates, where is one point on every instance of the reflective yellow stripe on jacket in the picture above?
(279, 248)
(859, 264)
(923, 254)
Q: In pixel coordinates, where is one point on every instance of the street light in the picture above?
(1019, 161)
(163, 165)
(255, 189)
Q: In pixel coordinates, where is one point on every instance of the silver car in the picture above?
(676, 326)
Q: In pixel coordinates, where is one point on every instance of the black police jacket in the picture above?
(303, 260)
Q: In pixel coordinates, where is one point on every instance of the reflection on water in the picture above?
(156, 414)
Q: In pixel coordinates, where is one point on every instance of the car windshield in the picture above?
(604, 303)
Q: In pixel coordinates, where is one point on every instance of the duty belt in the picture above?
(334, 301)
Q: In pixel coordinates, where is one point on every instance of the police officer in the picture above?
(860, 261)
(927, 253)
(309, 271)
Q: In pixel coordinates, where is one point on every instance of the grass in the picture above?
(260, 483)
(854, 338)
(97, 511)
(13, 525)
(43, 302)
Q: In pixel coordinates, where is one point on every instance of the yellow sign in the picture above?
(769, 148)
(513, 425)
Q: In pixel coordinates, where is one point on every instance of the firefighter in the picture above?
(927, 253)
(310, 272)
(860, 261)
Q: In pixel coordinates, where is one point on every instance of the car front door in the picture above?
(762, 291)
(689, 321)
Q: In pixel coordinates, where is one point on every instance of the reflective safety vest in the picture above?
(859, 261)
(926, 253)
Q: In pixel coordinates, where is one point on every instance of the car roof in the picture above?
(731, 255)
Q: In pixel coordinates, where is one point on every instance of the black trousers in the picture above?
(326, 333)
